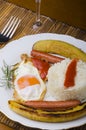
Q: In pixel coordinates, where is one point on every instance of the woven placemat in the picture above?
(18, 126)
(25, 28)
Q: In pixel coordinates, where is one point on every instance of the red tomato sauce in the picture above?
(70, 74)
(42, 66)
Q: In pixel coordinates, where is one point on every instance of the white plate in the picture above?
(11, 54)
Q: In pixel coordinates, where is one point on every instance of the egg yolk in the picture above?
(27, 80)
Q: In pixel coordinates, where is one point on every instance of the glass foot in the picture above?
(37, 25)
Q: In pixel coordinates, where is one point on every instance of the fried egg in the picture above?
(28, 84)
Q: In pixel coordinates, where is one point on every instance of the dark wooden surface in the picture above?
(25, 28)
(72, 12)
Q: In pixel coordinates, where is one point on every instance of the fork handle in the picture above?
(3, 38)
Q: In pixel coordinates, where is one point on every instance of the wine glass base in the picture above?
(37, 25)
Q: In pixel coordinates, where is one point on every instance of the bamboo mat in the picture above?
(25, 28)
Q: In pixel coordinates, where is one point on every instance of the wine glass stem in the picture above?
(38, 5)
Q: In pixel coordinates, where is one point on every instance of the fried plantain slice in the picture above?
(60, 47)
(47, 116)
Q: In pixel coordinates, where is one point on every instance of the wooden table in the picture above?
(25, 28)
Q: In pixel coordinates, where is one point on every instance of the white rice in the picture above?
(55, 85)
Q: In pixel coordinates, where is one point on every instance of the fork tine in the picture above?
(11, 23)
(7, 25)
(13, 28)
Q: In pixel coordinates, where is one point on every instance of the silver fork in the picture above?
(9, 29)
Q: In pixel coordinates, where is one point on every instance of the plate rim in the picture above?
(12, 43)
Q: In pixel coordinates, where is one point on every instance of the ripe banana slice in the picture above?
(48, 116)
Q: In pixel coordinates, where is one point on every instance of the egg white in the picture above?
(35, 92)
